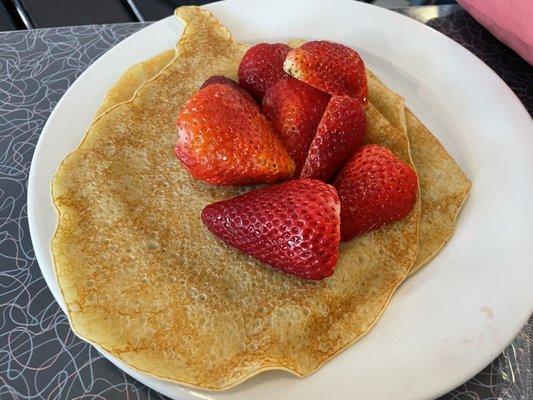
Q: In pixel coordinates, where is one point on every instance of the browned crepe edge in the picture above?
(420, 263)
(384, 98)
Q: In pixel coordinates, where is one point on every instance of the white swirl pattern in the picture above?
(40, 358)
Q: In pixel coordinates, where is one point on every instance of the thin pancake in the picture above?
(144, 280)
(443, 185)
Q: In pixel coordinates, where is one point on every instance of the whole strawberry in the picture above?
(293, 226)
(330, 67)
(224, 139)
(227, 81)
(261, 67)
(295, 110)
(341, 131)
(375, 188)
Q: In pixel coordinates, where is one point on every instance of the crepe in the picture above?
(143, 279)
(443, 185)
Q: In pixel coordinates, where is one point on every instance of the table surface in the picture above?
(28, 14)
(40, 358)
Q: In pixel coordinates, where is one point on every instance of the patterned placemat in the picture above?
(40, 358)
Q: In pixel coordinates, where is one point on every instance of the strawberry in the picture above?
(330, 67)
(293, 226)
(295, 109)
(227, 81)
(261, 67)
(341, 131)
(375, 188)
(224, 139)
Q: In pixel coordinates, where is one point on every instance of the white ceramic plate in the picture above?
(455, 316)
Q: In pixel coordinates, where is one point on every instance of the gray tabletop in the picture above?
(40, 358)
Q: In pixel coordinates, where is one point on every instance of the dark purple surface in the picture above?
(24, 14)
(40, 358)
(513, 69)
(6, 23)
(76, 12)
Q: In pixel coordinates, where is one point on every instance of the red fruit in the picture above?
(227, 81)
(295, 110)
(261, 67)
(375, 188)
(330, 67)
(341, 131)
(293, 226)
(225, 140)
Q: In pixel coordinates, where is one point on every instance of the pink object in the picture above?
(511, 21)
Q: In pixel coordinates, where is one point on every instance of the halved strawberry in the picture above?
(293, 226)
(227, 81)
(261, 67)
(375, 188)
(330, 67)
(341, 131)
(225, 140)
(295, 110)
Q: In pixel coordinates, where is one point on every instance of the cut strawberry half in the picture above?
(330, 67)
(295, 110)
(293, 226)
(261, 67)
(375, 188)
(224, 139)
(341, 131)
